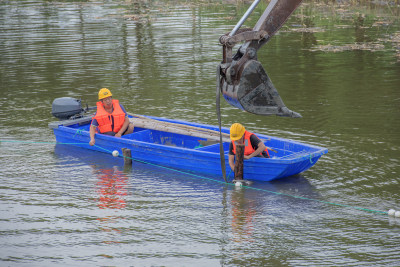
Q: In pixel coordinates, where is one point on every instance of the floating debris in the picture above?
(137, 17)
(381, 23)
(349, 47)
(395, 40)
(132, 17)
(309, 30)
(343, 26)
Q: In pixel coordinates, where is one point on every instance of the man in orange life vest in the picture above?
(110, 118)
(253, 146)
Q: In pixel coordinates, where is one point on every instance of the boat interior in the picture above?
(174, 139)
(279, 148)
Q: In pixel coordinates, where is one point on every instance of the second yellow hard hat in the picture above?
(237, 131)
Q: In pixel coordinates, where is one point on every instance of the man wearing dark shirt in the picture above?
(254, 147)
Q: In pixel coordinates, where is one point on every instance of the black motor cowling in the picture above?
(64, 108)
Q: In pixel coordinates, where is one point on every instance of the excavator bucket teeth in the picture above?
(254, 92)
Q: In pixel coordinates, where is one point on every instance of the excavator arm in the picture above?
(241, 78)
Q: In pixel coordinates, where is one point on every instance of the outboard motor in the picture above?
(64, 108)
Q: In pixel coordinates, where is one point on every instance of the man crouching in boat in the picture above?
(110, 118)
(253, 146)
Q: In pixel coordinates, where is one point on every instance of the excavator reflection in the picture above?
(241, 78)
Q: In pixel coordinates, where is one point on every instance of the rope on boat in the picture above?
(390, 213)
(79, 131)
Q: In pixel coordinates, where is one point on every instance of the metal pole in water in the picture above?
(244, 17)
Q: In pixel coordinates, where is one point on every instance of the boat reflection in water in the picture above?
(134, 190)
(109, 183)
(111, 188)
(112, 191)
(266, 211)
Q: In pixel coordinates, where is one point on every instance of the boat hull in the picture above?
(181, 152)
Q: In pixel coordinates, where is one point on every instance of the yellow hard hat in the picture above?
(103, 93)
(237, 131)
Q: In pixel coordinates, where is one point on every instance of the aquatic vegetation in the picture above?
(325, 25)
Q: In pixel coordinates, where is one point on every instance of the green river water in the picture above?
(337, 65)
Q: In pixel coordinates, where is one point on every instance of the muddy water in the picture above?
(63, 206)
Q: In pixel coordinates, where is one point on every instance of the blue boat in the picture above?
(195, 149)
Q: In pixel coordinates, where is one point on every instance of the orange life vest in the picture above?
(110, 122)
(248, 148)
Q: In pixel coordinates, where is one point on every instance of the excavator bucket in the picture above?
(243, 81)
(254, 92)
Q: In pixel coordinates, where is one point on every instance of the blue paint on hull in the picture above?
(185, 153)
